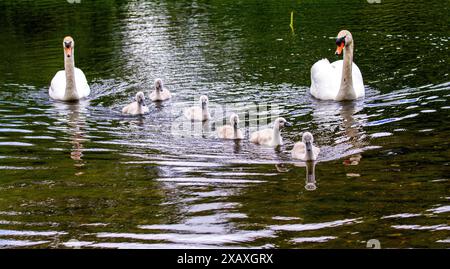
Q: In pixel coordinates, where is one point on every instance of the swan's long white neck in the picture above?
(346, 91)
(158, 93)
(205, 112)
(276, 138)
(235, 129)
(71, 89)
(308, 151)
(139, 108)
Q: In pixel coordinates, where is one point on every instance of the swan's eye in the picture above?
(340, 40)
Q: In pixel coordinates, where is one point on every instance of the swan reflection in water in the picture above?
(339, 122)
(310, 178)
(353, 130)
(74, 115)
(310, 181)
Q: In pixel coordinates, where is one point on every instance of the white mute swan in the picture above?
(196, 113)
(138, 107)
(270, 137)
(305, 150)
(69, 84)
(340, 80)
(160, 93)
(230, 131)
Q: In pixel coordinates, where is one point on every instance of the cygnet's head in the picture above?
(158, 85)
(68, 45)
(140, 98)
(307, 138)
(234, 120)
(281, 123)
(344, 39)
(204, 101)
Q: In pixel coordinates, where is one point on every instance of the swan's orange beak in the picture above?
(68, 51)
(340, 48)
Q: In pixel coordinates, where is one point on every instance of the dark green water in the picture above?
(84, 172)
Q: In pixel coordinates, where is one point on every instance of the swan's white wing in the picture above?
(135, 109)
(128, 108)
(239, 135)
(325, 80)
(81, 83)
(337, 65)
(316, 152)
(166, 94)
(58, 85)
(225, 132)
(193, 113)
(153, 95)
(299, 150)
(263, 137)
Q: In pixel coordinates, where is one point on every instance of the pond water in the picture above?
(82, 174)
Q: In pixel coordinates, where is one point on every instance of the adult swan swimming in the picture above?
(340, 80)
(69, 84)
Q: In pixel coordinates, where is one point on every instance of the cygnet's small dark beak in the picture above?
(287, 124)
(308, 146)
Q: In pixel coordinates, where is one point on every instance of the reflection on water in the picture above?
(83, 175)
(73, 114)
(310, 169)
(310, 184)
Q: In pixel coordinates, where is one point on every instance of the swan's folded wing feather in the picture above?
(298, 152)
(153, 96)
(323, 79)
(240, 135)
(125, 109)
(225, 132)
(316, 152)
(166, 94)
(263, 137)
(187, 112)
(193, 113)
(81, 84)
(133, 109)
(58, 85)
(254, 137)
(128, 109)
